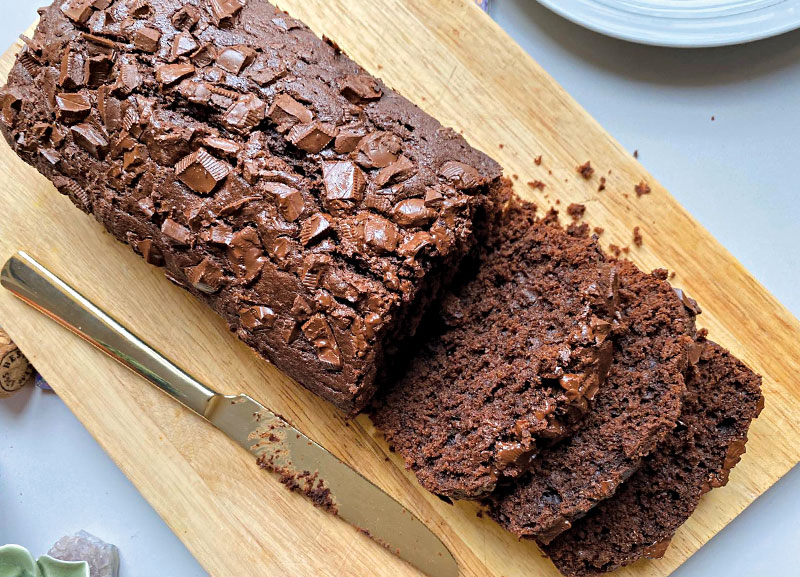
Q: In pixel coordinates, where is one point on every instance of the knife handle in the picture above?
(37, 286)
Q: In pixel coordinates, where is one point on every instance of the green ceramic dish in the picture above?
(16, 561)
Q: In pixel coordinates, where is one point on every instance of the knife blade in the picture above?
(276, 444)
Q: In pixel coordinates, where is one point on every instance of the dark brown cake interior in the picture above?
(636, 408)
(723, 397)
(511, 360)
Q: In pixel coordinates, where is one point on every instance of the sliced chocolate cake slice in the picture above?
(638, 405)
(518, 354)
(723, 397)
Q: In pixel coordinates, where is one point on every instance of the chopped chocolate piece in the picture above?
(642, 188)
(286, 112)
(343, 181)
(177, 155)
(519, 352)
(224, 10)
(72, 108)
(635, 409)
(146, 39)
(72, 74)
(723, 397)
(202, 172)
(314, 228)
(77, 10)
(236, 58)
(245, 113)
(183, 44)
(586, 170)
(290, 200)
(91, 139)
(186, 17)
(360, 88)
(412, 213)
(312, 137)
(176, 232)
(257, 317)
(319, 332)
(168, 74)
(207, 277)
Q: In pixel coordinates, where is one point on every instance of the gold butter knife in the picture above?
(275, 443)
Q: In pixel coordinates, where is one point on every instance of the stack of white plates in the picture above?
(683, 23)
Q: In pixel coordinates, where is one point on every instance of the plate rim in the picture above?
(679, 40)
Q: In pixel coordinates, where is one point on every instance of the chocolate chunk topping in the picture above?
(257, 317)
(186, 17)
(246, 254)
(224, 10)
(77, 10)
(168, 74)
(202, 172)
(245, 113)
(412, 212)
(378, 232)
(151, 253)
(286, 112)
(206, 277)
(360, 88)
(146, 39)
(312, 137)
(343, 181)
(72, 75)
(72, 108)
(461, 175)
(177, 232)
(183, 44)
(290, 200)
(378, 150)
(319, 332)
(401, 169)
(236, 59)
(314, 228)
(91, 139)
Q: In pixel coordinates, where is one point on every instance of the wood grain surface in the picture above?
(237, 520)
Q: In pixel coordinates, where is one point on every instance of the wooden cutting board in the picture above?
(458, 65)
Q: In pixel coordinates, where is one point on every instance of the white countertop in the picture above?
(736, 175)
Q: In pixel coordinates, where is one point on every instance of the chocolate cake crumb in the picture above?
(576, 211)
(598, 230)
(672, 275)
(479, 514)
(537, 184)
(637, 236)
(511, 361)
(515, 176)
(642, 188)
(586, 170)
(538, 160)
(602, 186)
(634, 411)
(723, 397)
(580, 230)
(615, 250)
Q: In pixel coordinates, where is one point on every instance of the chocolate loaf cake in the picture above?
(723, 397)
(314, 208)
(518, 354)
(638, 405)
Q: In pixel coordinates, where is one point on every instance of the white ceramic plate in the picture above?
(682, 23)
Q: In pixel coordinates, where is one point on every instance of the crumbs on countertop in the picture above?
(586, 170)
(602, 185)
(598, 230)
(642, 188)
(538, 160)
(537, 184)
(576, 211)
(637, 236)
